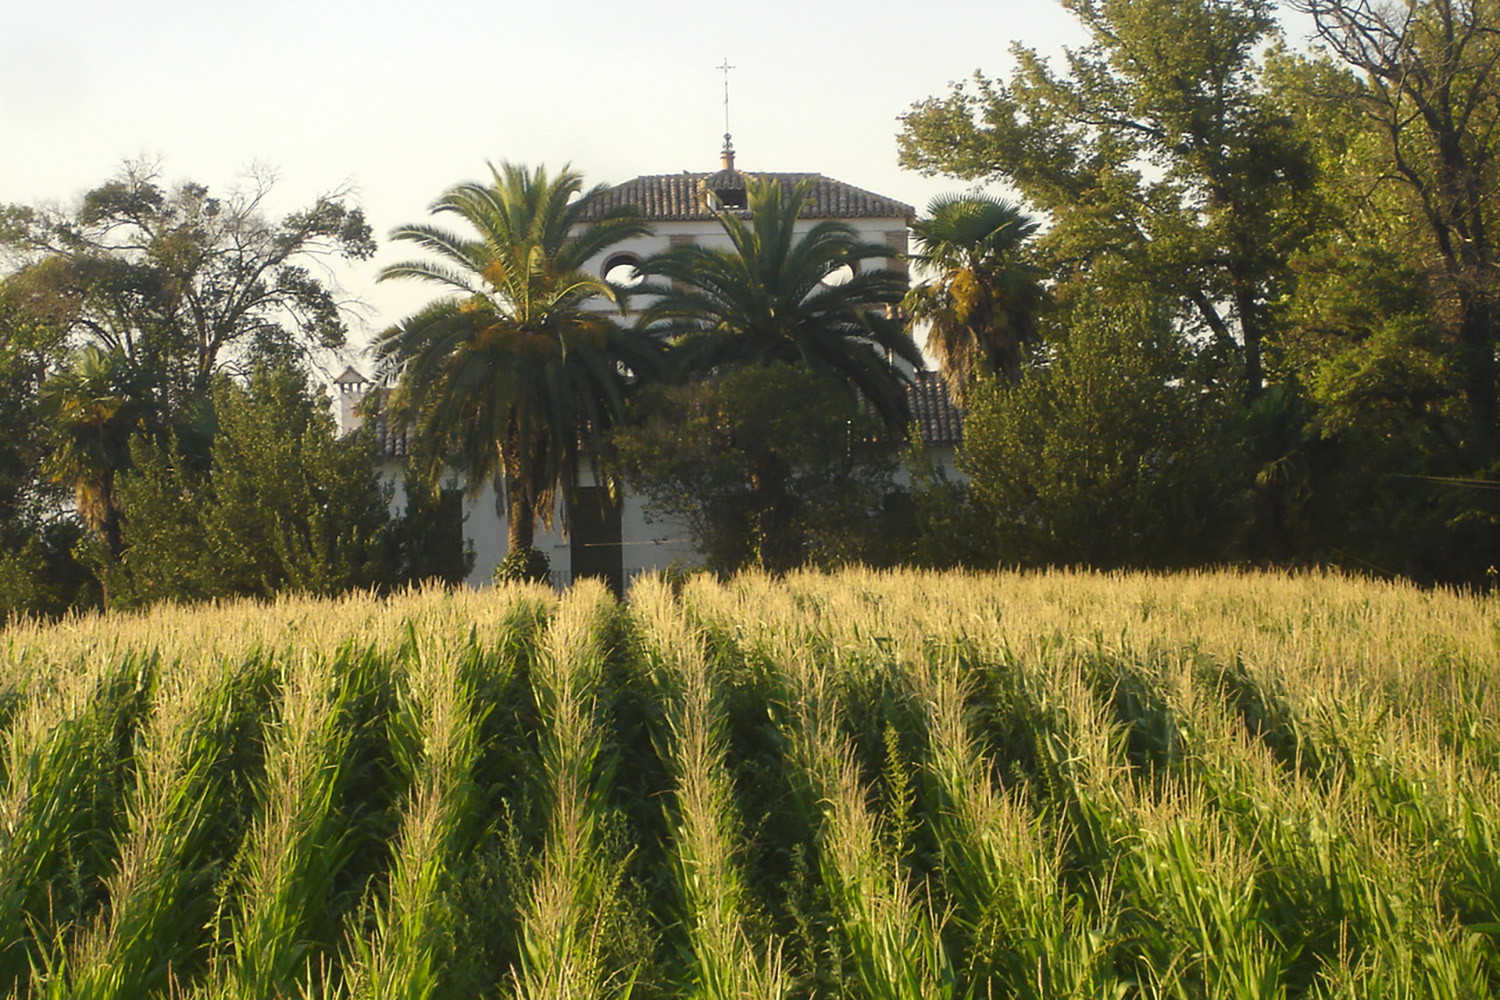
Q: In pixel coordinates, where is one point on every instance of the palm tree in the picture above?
(93, 408)
(982, 299)
(517, 373)
(776, 297)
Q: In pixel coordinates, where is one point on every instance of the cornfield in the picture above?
(866, 785)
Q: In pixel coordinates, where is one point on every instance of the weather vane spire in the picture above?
(727, 155)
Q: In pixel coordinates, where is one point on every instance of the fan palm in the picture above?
(518, 373)
(773, 296)
(982, 299)
(93, 408)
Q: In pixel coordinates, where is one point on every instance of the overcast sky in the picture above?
(398, 101)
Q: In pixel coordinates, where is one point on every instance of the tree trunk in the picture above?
(775, 547)
(1248, 306)
(520, 520)
(1477, 336)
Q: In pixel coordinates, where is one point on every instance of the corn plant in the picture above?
(1027, 933)
(563, 950)
(63, 779)
(435, 738)
(705, 833)
(889, 929)
(295, 848)
(159, 893)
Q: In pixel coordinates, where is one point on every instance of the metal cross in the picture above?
(726, 68)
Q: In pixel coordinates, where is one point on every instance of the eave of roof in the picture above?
(933, 412)
(939, 421)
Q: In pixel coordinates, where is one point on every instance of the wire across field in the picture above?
(865, 785)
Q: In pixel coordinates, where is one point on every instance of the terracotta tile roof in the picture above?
(391, 441)
(352, 378)
(677, 198)
(933, 411)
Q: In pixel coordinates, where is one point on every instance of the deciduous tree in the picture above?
(1427, 82)
(181, 282)
(1157, 157)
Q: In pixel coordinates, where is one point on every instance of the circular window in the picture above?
(839, 274)
(623, 270)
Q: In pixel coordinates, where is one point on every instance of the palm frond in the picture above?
(524, 376)
(764, 299)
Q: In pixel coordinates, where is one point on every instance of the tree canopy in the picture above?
(180, 281)
(1157, 156)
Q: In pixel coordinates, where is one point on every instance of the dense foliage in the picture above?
(769, 466)
(180, 282)
(1319, 224)
(281, 504)
(869, 786)
(1106, 456)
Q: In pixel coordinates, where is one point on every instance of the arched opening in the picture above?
(623, 270)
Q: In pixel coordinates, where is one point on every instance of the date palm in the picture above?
(981, 299)
(773, 296)
(520, 371)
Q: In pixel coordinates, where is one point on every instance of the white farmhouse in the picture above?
(616, 540)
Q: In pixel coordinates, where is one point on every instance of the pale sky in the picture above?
(399, 101)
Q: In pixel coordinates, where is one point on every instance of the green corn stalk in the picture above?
(1402, 947)
(435, 736)
(294, 850)
(1202, 931)
(890, 932)
(63, 756)
(1026, 931)
(704, 831)
(159, 891)
(566, 914)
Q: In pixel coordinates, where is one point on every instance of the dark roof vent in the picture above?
(725, 189)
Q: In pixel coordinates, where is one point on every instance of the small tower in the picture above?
(352, 389)
(725, 189)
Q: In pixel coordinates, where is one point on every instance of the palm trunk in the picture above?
(776, 549)
(520, 523)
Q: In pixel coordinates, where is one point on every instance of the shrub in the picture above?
(528, 565)
(1109, 454)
